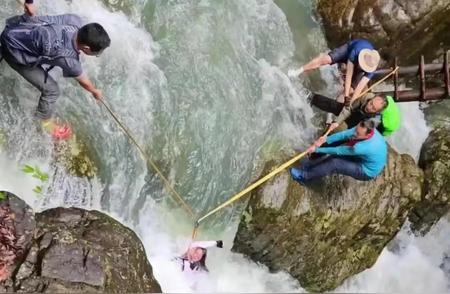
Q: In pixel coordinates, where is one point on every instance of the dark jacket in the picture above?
(358, 106)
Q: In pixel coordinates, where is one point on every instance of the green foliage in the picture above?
(2, 195)
(37, 189)
(28, 169)
(43, 177)
(36, 173)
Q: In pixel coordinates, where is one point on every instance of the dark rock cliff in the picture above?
(74, 250)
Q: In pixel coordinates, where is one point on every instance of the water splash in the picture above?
(207, 100)
(413, 129)
(204, 91)
(413, 265)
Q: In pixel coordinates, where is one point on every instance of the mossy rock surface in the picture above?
(332, 229)
(74, 156)
(435, 160)
(402, 28)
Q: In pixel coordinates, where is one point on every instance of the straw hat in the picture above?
(368, 60)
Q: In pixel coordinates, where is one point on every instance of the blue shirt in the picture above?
(354, 48)
(372, 153)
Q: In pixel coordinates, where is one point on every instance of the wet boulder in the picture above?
(329, 230)
(402, 28)
(435, 161)
(17, 225)
(74, 250)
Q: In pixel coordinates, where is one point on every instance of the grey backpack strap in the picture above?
(47, 73)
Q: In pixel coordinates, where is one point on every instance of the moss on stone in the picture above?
(346, 224)
(435, 160)
(75, 250)
(75, 157)
(404, 31)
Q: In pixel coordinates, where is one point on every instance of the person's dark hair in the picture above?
(94, 36)
(201, 264)
(368, 124)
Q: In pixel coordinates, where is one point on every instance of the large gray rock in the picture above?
(75, 250)
(403, 28)
(330, 230)
(435, 160)
(17, 226)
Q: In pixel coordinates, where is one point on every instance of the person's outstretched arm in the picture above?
(360, 88)
(348, 79)
(356, 150)
(86, 83)
(207, 244)
(341, 136)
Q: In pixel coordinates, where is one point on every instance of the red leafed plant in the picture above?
(11, 247)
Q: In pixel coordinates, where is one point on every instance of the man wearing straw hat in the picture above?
(361, 59)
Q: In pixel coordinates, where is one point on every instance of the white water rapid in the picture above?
(202, 85)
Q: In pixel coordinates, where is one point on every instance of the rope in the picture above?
(142, 153)
(236, 196)
(279, 169)
(253, 186)
(377, 83)
(147, 159)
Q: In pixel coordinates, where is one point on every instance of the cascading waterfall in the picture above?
(201, 86)
(413, 265)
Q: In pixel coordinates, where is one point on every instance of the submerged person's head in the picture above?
(364, 129)
(195, 254)
(92, 39)
(197, 258)
(376, 104)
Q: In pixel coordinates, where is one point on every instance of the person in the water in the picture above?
(194, 259)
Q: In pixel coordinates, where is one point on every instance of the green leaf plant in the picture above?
(36, 173)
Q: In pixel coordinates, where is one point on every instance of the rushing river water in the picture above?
(202, 85)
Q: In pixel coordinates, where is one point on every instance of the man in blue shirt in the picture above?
(362, 155)
(32, 45)
(361, 59)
